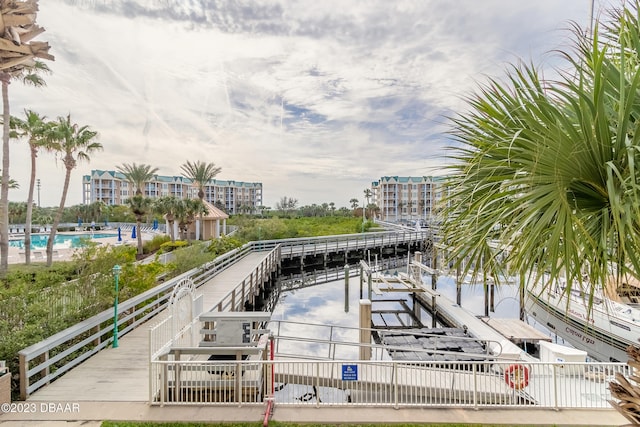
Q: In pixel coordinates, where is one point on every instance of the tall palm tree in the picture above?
(140, 206)
(30, 75)
(34, 128)
(167, 206)
(137, 175)
(367, 195)
(186, 213)
(200, 173)
(73, 143)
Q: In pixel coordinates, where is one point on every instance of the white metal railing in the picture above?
(79, 342)
(383, 383)
(331, 342)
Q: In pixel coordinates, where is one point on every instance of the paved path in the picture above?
(122, 374)
(91, 413)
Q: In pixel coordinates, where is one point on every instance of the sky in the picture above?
(315, 99)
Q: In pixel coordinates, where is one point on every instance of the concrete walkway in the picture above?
(92, 413)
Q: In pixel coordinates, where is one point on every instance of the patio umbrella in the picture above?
(155, 224)
(133, 232)
(79, 222)
(119, 235)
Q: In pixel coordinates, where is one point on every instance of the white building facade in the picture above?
(407, 198)
(112, 188)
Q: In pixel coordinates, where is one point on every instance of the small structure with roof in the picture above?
(214, 223)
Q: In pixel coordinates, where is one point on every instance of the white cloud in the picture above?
(316, 99)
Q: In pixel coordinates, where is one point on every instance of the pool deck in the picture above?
(63, 253)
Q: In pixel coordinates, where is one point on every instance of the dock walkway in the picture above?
(122, 374)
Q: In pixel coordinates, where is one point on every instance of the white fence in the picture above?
(383, 383)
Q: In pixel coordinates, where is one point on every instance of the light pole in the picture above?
(116, 276)
(38, 184)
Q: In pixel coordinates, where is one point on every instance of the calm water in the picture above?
(39, 241)
(324, 304)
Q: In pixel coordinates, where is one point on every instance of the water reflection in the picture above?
(324, 304)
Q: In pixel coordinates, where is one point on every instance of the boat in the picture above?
(605, 331)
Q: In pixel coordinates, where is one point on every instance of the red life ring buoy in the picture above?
(517, 376)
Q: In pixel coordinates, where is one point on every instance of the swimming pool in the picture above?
(39, 241)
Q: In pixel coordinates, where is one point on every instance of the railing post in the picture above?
(24, 380)
(555, 387)
(396, 402)
(475, 386)
(317, 382)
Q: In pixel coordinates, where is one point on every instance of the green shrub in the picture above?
(171, 246)
(153, 245)
(188, 258)
(223, 245)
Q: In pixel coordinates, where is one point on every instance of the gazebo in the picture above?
(214, 223)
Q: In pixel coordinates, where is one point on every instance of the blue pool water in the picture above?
(39, 241)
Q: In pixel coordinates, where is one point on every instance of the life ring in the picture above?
(517, 376)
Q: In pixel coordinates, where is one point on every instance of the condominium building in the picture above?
(407, 198)
(112, 188)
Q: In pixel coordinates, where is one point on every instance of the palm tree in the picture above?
(367, 195)
(34, 128)
(354, 203)
(167, 206)
(186, 213)
(514, 183)
(200, 173)
(140, 206)
(13, 184)
(30, 75)
(137, 175)
(549, 168)
(73, 143)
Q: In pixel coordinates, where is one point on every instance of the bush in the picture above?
(171, 246)
(223, 245)
(188, 258)
(153, 245)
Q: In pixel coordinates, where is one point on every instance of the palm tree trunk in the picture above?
(56, 220)
(139, 236)
(27, 229)
(172, 233)
(4, 187)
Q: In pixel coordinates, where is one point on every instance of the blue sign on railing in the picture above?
(349, 372)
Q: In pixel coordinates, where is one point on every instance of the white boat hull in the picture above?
(605, 334)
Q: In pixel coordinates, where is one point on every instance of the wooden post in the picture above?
(346, 288)
(365, 329)
(434, 265)
(458, 287)
(485, 287)
(434, 311)
(522, 296)
(5, 385)
(24, 380)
